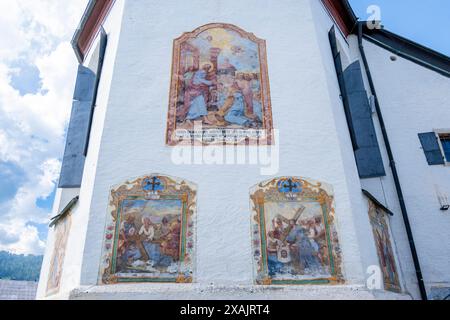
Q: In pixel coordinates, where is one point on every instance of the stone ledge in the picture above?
(212, 292)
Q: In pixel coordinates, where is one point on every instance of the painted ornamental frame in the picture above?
(61, 236)
(291, 190)
(252, 136)
(385, 250)
(159, 188)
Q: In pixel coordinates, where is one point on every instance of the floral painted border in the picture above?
(300, 190)
(174, 188)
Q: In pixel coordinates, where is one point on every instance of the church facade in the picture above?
(251, 150)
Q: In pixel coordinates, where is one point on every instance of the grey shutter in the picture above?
(84, 86)
(367, 153)
(79, 131)
(73, 161)
(431, 148)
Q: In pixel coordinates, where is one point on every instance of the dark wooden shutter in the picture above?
(79, 131)
(431, 148)
(73, 161)
(368, 154)
(359, 116)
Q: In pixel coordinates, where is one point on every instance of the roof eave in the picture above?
(352, 18)
(408, 49)
(343, 15)
(76, 37)
(89, 26)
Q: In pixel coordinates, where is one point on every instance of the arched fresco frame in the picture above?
(61, 236)
(215, 122)
(279, 250)
(382, 236)
(163, 250)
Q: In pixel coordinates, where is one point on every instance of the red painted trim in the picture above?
(341, 15)
(93, 24)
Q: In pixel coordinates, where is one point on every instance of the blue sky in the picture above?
(425, 22)
(37, 74)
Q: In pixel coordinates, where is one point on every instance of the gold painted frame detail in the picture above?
(386, 257)
(285, 211)
(156, 190)
(61, 234)
(256, 136)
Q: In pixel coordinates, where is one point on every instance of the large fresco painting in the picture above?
(380, 227)
(150, 233)
(294, 235)
(61, 234)
(220, 82)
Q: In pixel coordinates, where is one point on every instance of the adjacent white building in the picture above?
(361, 117)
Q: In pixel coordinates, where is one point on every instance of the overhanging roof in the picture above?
(89, 26)
(377, 203)
(346, 20)
(409, 50)
(343, 15)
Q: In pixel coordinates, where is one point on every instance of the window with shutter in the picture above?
(79, 129)
(73, 160)
(359, 116)
(445, 143)
(368, 154)
(431, 148)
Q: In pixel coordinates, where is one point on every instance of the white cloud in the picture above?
(32, 126)
(13, 37)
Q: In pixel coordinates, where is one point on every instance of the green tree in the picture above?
(19, 267)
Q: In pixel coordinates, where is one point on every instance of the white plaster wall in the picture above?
(128, 134)
(414, 100)
(132, 142)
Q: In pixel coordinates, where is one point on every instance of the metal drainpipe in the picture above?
(412, 246)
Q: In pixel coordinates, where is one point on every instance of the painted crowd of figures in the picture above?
(149, 246)
(221, 97)
(219, 79)
(297, 247)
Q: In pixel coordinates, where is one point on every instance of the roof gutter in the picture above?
(87, 13)
(423, 292)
